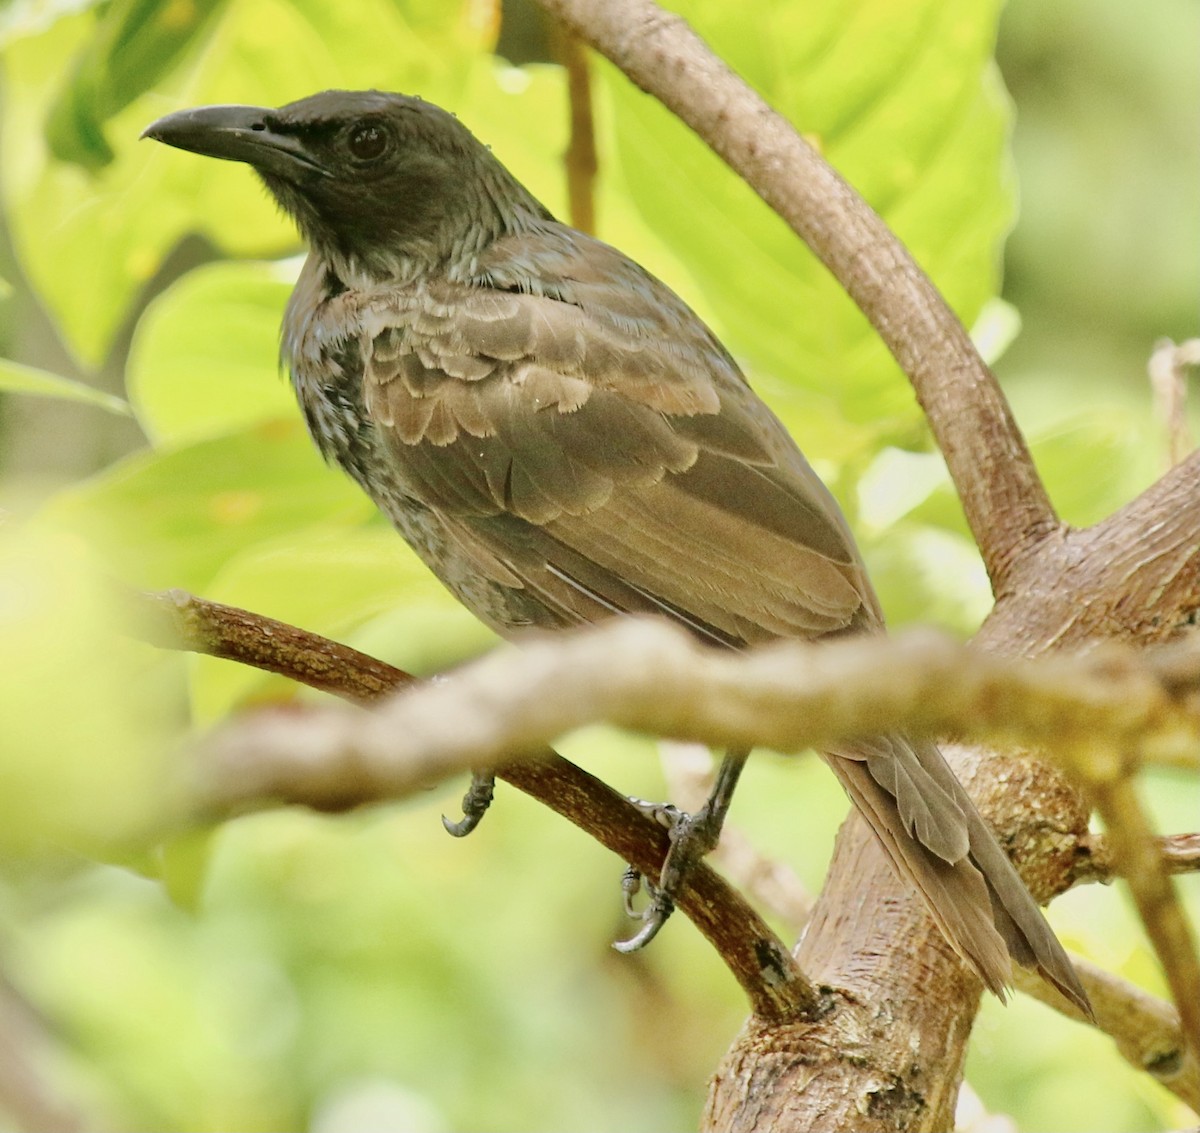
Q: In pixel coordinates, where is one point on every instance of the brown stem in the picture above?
(1146, 1030)
(28, 1094)
(764, 967)
(1003, 497)
(1131, 840)
(1168, 369)
(582, 164)
(1177, 853)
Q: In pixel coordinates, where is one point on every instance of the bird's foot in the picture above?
(693, 836)
(474, 805)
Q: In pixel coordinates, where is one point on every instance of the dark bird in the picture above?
(561, 439)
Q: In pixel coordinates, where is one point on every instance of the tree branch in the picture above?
(1177, 853)
(580, 157)
(28, 1095)
(764, 967)
(1168, 371)
(1131, 839)
(1003, 497)
(1145, 1029)
(653, 677)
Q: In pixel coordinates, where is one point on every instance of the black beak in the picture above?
(237, 133)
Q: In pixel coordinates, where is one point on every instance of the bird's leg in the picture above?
(667, 815)
(474, 805)
(692, 837)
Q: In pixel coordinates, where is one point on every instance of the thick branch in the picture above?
(1135, 575)
(653, 677)
(1004, 500)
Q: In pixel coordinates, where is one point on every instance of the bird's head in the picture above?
(382, 185)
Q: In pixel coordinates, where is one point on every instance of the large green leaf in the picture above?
(204, 358)
(136, 43)
(83, 758)
(89, 241)
(173, 518)
(903, 98)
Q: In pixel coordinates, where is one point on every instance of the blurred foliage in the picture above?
(293, 971)
(15, 378)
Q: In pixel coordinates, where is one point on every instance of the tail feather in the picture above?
(978, 901)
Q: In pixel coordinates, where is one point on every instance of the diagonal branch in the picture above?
(1145, 1029)
(652, 676)
(1137, 858)
(1003, 497)
(773, 982)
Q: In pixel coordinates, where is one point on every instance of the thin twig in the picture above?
(1177, 853)
(1131, 841)
(582, 164)
(28, 1095)
(175, 619)
(1168, 369)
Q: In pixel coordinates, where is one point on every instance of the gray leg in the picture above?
(692, 837)
(475, 804)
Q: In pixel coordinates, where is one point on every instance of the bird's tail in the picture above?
(935, 838)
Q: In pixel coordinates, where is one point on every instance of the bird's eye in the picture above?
(368, 140)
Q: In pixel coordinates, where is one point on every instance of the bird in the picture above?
(563, 440)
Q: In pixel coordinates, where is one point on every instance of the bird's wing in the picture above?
(597, 441)
(592, 444)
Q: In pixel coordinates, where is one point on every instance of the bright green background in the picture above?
(291, 971)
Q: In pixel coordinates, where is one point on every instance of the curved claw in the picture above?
(655, 917)
(463, 826)
(475, 804)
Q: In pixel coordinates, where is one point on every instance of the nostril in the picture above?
(258, 126)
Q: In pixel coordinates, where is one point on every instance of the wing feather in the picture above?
(609, 453)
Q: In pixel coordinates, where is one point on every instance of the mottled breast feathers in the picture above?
(593, 442)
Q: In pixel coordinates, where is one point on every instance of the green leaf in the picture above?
(204, 357)
(17, 378)
(174, 518)
(333, 583)
(923, 574)
(904, 100)
(135, 44)
(1094, 463)
(122, 220)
